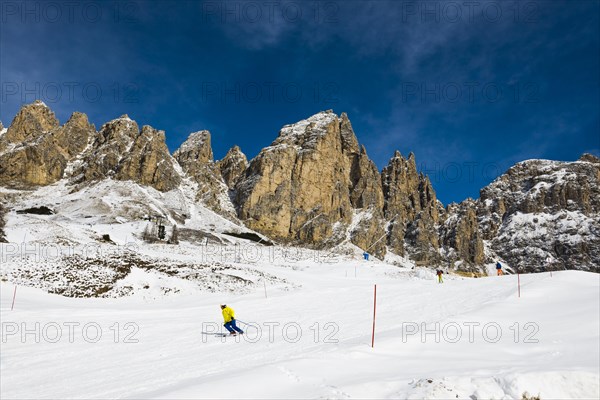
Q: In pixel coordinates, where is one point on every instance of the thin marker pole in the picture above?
(13, 302)
(374, 310)
(519, 282)
(265, 284)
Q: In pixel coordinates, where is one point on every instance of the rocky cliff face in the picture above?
(149, 161)
(544, 214)
(35, 150)
(312, 181)
(2, 222)
(31, 121)
(233, 166)
(195, 152)
(366, 195)
(196, 159)
(461, 235)
(122, 151)
(316, 186)
(297, 188)
(412, 208)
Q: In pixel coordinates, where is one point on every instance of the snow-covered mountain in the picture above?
(544, 214)
(112, 220)
(314, 188)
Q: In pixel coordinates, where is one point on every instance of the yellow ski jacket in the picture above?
(228, 314)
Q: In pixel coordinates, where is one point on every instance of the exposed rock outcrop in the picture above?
(121, 151)
(366, 194)
(312, 184)
(35, 150)
(297, 188)
(461, 235)
(316, 186)
(195, 156)
(544, 214)
(232, 166)
(149, 161)
(412, 208)
(75, 135)
(31, 122)
(2, 223)
(195, 152)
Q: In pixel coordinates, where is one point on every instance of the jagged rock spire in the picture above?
(233, 166)
(35, 149)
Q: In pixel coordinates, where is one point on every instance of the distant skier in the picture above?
(229, 318)
(439, 275)
(499, 269)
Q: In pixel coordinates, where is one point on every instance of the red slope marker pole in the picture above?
(374, 309)
(14, 296)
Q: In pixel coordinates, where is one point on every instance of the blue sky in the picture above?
(470, 88)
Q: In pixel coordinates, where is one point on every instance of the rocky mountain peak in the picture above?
(233, 166)
(149, 133)
(195, 150)
(544, 213)
(235, 150)
(120, 131)
(78, 118)
(299, 188)
(195, 156)
(32, 121)
(35, 150)
(305, 134)
(412, 207)
(316, 186)
(349, 140)
(586, 157)
(75, 135)
(124, 152)
(149, 161)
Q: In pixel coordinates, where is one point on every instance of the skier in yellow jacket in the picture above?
(229, 318)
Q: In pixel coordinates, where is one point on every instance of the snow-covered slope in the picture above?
(92, 241)
(313, 341)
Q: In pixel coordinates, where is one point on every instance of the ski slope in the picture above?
(164, 354)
